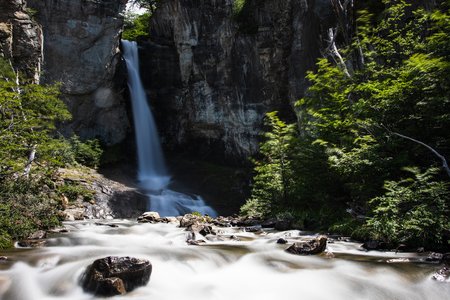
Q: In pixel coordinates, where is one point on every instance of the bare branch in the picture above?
(31, 158)
(441, 157)
(334, 50)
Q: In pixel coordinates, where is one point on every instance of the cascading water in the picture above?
(236, 265)
(152, 174)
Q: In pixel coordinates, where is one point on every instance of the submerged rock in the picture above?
(374, 245)
(32, 243)
(314, 246)
(282, 241)
(114, 275)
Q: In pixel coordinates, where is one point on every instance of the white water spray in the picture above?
(152, 174)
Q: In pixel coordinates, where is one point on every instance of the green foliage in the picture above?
(25, 207)
(401, 87)
(28, 114)
(136, 26)
(414, 210)
(87, 153)
(28, 117)
(273, 180)
(238, 6)
(350, 152)
(74, 190)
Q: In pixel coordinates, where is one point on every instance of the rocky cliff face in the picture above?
(81, 46)
(20, 38)
(212, 74)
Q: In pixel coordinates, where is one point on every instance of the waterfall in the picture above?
(152, 172)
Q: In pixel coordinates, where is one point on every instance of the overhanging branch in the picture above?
(441, 157)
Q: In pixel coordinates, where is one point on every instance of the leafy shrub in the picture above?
(73, 190)
(414, 210)
(87, 153)
(25, 207)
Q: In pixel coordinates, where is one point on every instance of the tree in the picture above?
(274, 172)
(29, 153)
(28, 114)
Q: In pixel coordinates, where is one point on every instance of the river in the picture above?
(242, 266)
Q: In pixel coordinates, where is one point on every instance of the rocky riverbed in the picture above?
(204, 260)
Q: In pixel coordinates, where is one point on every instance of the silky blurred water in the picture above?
(255, 267)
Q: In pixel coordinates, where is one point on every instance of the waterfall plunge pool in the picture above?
(253, 266)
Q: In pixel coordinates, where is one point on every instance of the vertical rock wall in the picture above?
(20, 38)
(81, 46)
(212, 75)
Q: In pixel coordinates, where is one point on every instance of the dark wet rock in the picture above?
(234, 238)
(149, 217)
(446, 258)
(108, 225)
(32, 243)
(281, 241)
(283, 225)
(269, 223)
(206, 230)
(442, 275)
(195, 242)
(3, 258)
(374, 245)
(246, 222)
(314, 246)
(114, 275)
(38, 235)
(253, 229)
(222, 222)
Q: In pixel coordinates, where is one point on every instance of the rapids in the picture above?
(255, 267)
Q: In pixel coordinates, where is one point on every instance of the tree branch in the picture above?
(334, 50)
(31, 158)
(441, 157)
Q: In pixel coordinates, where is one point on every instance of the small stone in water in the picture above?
(442, 275)
(282, 241)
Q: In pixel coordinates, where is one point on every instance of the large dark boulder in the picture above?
(114, 275)
(314, 246)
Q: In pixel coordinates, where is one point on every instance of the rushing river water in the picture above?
(247, 266)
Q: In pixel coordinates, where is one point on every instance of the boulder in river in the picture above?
(149, 217)
(114, 275)
(314, 246)
(191, 219)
